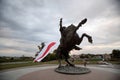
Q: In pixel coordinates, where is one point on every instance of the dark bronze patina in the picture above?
(69, 40)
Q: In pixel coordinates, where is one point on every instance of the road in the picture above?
(14, 74)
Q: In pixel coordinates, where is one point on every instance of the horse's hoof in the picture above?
(90, 40)
(77, 48)
(72, 65)
(67, 65)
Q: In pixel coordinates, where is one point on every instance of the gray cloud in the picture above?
(29, 22)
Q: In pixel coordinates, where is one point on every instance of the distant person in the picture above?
(85, 62)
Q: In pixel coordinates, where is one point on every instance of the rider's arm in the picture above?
(61, 29)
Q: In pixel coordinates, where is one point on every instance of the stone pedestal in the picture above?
(72, 70)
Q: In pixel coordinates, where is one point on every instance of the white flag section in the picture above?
(45, 51)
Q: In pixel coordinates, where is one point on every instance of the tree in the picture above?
(115, 54)
(50, 57)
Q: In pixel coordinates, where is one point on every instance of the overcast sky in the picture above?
(24, 24)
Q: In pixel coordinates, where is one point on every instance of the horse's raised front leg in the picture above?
(85, 35)
(89, 37)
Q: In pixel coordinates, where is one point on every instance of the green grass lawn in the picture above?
(30, 63)
(9, 66)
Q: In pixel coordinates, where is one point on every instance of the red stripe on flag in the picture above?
(48, 48)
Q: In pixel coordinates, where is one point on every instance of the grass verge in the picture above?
(30, 63)
(9, 66)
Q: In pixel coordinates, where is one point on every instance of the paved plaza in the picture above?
(46, 72)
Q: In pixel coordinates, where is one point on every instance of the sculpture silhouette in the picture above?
(40, 48)
(69, 40)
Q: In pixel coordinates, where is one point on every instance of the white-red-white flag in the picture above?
(45, 51)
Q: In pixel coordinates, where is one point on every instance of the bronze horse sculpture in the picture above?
(69, 40)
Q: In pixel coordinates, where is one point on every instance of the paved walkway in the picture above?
(47, 73)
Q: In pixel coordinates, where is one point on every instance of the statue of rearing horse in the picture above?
(69, 40)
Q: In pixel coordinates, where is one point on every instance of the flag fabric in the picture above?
(45, 51)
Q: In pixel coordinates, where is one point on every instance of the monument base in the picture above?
(72, 70)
